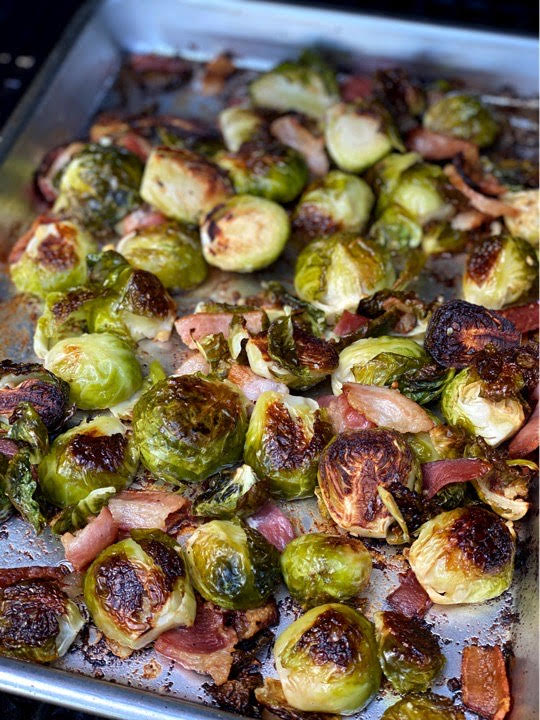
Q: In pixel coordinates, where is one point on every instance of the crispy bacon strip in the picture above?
(438, 474)
(248, 623)
(469, 220)
(12, 576)
(253, 385)
(289, 130)
(138, 509)
(8, 447)
(387, 407)
(152, 62)
(524, 317)
(272, 522)
(436, 146)
(356, 87)
(140, 218)
(484, 682)
(193, 362)
(349, 322)
(54, 161)
(486, 205)
(199, 325)
(409, 598)
(527, 439)
(342, 415)
(86, 544)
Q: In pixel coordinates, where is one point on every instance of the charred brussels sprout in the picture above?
(358, 136)
(462, 116)
(233, 492)
(244, 234)
(338, 201)
(307, 86)
(526, 224)
(319, 568)
(409, 653)
(96, 454)
(38, 622)
(189, 427)
(396, 230)
(182, 184)
(285, 437)
(100, 368)
(65, 315)
(239, 125)
(352, 467)
(50, 257)
(232, 565)
(327, 660)
(423, 707)
(466, 404)
(499, 271)
(100, 186)
(168, 251)
(138, 588)
(335, 272)
(464, 556)
(271, 171)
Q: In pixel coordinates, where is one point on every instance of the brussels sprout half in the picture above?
(327, 660)
(53, 257)
(423, 707)
(462, 116)
(101, 369)
(285, 438)
(232, 565)
(319, 568)
(65, 315)
(168, 251)
(335, 272)
(138, 588)
(189, 427)
(464, 555)
(96, 454)
(239, 125)
(244, 234)
(233, 492)
(526, 224)
(396, 230)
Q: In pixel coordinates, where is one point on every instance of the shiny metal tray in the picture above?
(71, 87)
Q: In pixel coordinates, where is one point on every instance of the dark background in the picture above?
(29, 30)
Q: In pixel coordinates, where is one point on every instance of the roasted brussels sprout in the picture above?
(327, 660)
(138, 588)
(335, 272)
(228, 234)
(96, 454)
(100, 368)
(268, 170)
(462, 116)
(76, 516)
(357, 136)
(319, 568)
(499, 271)
(183, 185)
(38, 622)
(18, 487)
(465, 404)
(51, 256)
(65, 315)
(233, 492)
(441, 237)
(189, 427)
(285, 437)
(100, 186)
(396, 230)
(352, 467)
(464, 555)
(338, 201)
(526, 225)
(458, 330)
(232, 565)
(307, 86)
(170, 252)
(423, 707)
(409, 653)
(239, 125)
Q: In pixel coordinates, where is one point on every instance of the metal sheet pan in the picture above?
(71, 87)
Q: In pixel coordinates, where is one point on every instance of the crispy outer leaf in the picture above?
(27, 427)
(19, 485)
(77, 516)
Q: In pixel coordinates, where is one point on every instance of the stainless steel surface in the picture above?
(69, 90)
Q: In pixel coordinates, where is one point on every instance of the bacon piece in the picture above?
(289, 130)
(52, 163)
(216, 73)
(484, 682)
(409, 598)
(436, 146)
(193, 362)
(140, 218)
(206, 647)
(152, 62)
(527, 440)
(342, 415)
(86, 544)
(349, 322)
(524, 317)
(272, 522)
(248, 623)
(469, 220)
(8, 447)
(13, 576)
(356, 87)
(199, 325)
(253, 385)
(388, 408)
(135, 143)
(438, 474)
(486, 205)
(138, 509)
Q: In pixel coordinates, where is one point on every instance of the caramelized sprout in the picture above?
(233, 492)
(462, 116)
(526, 225)
(423, 707)
(239, 125)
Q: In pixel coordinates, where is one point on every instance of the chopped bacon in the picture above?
(8, 447)
(248, 623)
(289, 130)
(342, 415)
(487, 205)
(387, 407)
(12, 576)
(253, 385)
(469, 220)
(199, 325)
(356, 87)
(484, 682)
(524, 317)
(192, 363)
(438, 474)
(54, 161)
(349, 322)
(152, 62)
(86, 544)
(272, 522)
(216, 73)
(527, 439)
(140, 218)
(409, 598)
(138, 509)
(436, 146)
(206, 647)
(135, 143)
